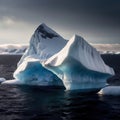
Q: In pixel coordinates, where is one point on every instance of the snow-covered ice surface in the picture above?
(79, 65)
(110, 90)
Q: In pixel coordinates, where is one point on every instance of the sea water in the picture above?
(53, 103)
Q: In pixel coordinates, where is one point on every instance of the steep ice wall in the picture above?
(79, 65)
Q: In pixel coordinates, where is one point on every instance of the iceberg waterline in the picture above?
(50, 60)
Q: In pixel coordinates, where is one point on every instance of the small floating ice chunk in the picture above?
(110, 90)
(2, 80)
(12, 82)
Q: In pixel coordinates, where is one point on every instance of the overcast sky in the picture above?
(98, 21)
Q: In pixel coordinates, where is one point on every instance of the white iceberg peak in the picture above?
(46, 32)
(44, 43)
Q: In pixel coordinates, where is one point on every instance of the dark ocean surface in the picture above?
(47, 103)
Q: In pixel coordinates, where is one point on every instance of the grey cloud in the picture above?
(87, 16)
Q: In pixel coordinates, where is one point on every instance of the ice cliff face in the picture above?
(79, 65)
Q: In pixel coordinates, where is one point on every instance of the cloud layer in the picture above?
(97, 21)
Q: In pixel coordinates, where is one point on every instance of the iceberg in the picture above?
(2, 80)
(31, 72)
(110, 90)
(50, 60)
(79, 66)
(43, 44)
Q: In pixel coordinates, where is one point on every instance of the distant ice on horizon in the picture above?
(16, 49)
(13, 48)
